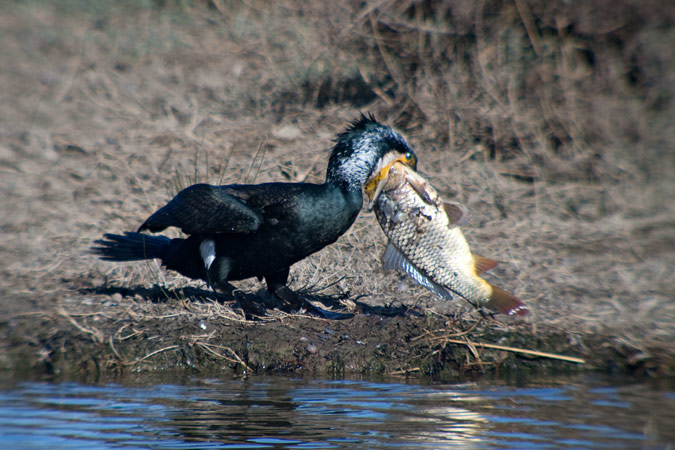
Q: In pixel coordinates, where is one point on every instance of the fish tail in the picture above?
(506, 303)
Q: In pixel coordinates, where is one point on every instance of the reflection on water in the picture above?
(271, 412)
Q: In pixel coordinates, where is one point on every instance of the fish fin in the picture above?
(457, 214)
(482, 264)
(393, 259)
(506, 303)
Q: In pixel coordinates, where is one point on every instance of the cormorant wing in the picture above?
(205, 209)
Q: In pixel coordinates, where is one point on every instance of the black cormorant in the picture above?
(241, 231)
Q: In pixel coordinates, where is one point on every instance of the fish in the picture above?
(425, 240)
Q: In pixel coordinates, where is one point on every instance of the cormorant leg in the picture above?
(485, 314)
(224, 287)
(276, 285)
(251, 309)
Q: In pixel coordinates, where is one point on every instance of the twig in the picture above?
(472, 348)
(379, 92)
(260, 158)
(135, 332)
(445, 336)
(519, 350)
(302, 177)
(404, 371)
(220, 7)
(235, 358)
(112, 346)
(97, 335)
(151, 354)
(528, 21)
(30, 313)
(388, 60)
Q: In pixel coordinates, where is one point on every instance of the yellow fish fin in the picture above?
(482, 264)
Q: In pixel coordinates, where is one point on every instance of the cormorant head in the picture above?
(363, 150)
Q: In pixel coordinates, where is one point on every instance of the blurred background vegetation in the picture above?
(563, 84)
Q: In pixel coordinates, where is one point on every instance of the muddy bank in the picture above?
(201, 332)
(553, 127)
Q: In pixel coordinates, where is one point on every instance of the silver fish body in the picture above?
(426, 242)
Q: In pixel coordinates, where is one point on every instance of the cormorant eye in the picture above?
(408, 156)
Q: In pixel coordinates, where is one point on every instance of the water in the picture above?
(276, 413)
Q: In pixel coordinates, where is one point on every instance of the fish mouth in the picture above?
(379, 175)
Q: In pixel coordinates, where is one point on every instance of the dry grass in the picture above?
(553, 124)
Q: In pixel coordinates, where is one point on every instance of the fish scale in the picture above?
(423, 233)
(427, 244)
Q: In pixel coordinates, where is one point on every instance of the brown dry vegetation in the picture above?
(552, 122)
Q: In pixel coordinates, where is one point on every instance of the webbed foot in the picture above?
(296, 302)
(250, 307)
(276, 284)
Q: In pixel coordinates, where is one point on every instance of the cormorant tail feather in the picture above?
(131, 246)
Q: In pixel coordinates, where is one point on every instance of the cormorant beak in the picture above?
(376, 181)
